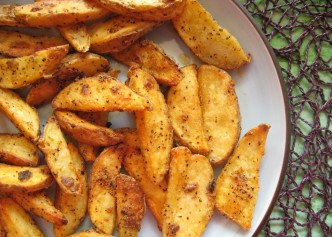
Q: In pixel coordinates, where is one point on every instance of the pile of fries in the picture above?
(166, 162)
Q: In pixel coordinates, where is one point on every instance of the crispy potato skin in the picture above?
(221, 126)
(133, 162)
(153, 59)
(237, 185)
(73, 206)
(102, 194)
(16, 221)
(86, 132)
(209, 41)
(186, 113)
(16, 149)
(118, 33)
(41, 205)
(99, 93)
(89, 234)
(23, 71)
(77, 35)
(16, 44)
(153, 127)
(130, 206)
(58, 157)
(58, 13)
(190, 196)
(20, 113)
(157, 10)
(7, 16)
(25, 179)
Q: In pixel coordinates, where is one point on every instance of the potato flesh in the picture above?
(20, 113)
(190, 198)
(77, 35)
(209, 41)
(221, 113)
(186, 113)
(153, 127)
(238, 182)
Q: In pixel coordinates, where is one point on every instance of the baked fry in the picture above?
(186, 113)
(7, 16)
(24, 179)
(190, 196)
(89, 234)
(20, 113)
(153, 59)
(77, 35)
(237, 185)
(209, 41)
(222, 126)
(16, 149)
(153, 127)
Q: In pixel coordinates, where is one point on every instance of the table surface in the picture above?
(300, 33)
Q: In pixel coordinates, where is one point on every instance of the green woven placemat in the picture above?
(300, 34)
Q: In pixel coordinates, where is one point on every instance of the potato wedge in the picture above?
(58, 12)
(77, 35)
(16, 149)
(7, 16)
(153, 127)
(237, 185)
(88, 152)
(102, 203)
(89, 234)
(209, 41)
(156, 10)
(16, 44)
(41, 205)
(117, 33)
(86, 132)
(99, 93)
(153, 59)
(130, 206)
(186, 113)
(23, 178)
(190, 195)
(58, 158)
(73, 206)
(222, 126)
(20, 72)
(16, 221)
(76, 65)
(133, 162)
(20, 113)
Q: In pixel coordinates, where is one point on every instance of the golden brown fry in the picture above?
(209, 41)
(77, 35)
(130, 206)
(186, 113)
(117, 33)
(86, 132)
(153, 127)
(20, 72)
(238, 182)
(73, 66)
(102, 203)
(39, 204)
(190, 196)
(16, 149)
(156, 10)
(7, 16)
(153, 59)
(16, 44)
(221, 113)
(58, 12)
(20, 113)
(89, 234)
(99, 93)
(133, 162)
(58, 158)
(16, 221)
(25, 179)
(73, 206)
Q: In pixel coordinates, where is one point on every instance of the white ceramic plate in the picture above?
(262, 99)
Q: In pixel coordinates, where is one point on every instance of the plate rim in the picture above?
(287, 116)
